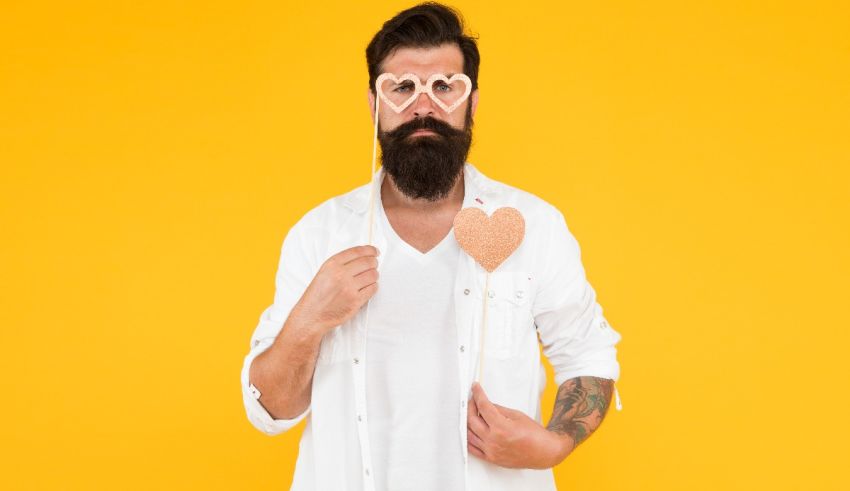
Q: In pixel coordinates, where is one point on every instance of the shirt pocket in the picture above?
(508, 313)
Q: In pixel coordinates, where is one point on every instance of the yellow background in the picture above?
(154, 154)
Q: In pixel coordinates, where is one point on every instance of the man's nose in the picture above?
(423, 106)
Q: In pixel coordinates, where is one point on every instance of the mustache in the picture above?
(427, 123)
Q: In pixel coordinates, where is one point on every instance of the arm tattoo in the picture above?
(580, 406)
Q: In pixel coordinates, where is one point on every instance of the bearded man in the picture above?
(386, 378)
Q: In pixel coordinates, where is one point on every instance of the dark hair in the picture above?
(429, 24)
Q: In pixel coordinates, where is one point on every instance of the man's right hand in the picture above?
(344, 282)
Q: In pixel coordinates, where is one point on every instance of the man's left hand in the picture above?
(509, 438)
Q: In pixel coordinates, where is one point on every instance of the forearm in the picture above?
(284, 372)
(580, 407)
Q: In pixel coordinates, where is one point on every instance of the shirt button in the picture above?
(519, 293)
(359, 418)
(461, 348)
(466, 292)
(356, 361)
(367, 472)
(463, 404)
(491, 294)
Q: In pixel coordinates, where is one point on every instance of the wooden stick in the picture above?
(371, 183)
(483, 329)
(371, 213)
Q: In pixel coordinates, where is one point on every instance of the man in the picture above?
(386, 375)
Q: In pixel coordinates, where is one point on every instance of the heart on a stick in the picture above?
(489, 240)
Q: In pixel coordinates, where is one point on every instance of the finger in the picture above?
(472, 413)
(366, 278)
(476, 423)
(367, 291)
(476, 451)
(360, 264)
(486, 408)
(508, 412)
(347, 255)
(472, 438)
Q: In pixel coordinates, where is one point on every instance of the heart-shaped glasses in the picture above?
(444, 91)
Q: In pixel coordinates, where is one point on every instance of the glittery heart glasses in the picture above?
(444, 91)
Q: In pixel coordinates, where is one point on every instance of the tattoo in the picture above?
(581, 405)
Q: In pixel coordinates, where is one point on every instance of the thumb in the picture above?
(487, 409)
(508, 412)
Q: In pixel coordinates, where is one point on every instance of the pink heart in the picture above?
(489, 240)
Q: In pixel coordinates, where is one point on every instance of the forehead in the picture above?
(445, 59)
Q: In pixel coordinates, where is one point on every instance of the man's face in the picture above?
(424, 148)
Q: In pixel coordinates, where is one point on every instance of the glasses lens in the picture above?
(447, 93)
(398, 93)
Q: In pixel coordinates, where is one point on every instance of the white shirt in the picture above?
(411, 367)
(540, 290)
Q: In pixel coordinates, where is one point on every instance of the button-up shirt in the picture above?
(538, 296)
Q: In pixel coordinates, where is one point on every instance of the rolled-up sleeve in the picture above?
(576, 338)
(295, 271)
(257, 414)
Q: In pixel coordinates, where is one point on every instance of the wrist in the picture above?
(302, 331)
(300, 321)
(562, 445)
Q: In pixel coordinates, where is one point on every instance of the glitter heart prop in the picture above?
(419, 87)
(489, 240)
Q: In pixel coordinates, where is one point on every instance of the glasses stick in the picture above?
(372, 178)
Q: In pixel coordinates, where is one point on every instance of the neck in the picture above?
(392, 197)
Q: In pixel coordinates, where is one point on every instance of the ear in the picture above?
(474, 100)
(370, 97)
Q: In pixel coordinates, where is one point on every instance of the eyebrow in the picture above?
(448, 75)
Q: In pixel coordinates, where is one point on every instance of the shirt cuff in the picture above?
(262, 420)
(602, 370)
(257, 414)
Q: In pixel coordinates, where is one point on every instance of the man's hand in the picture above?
(284, 372)
(509, 438)
(344, 282)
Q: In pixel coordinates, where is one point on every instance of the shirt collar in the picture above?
(479, 190)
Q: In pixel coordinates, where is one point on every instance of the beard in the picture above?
(426, 166)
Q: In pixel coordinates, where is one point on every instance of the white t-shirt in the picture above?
(411, 368)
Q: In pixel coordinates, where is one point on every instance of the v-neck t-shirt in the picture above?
(411, 368)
